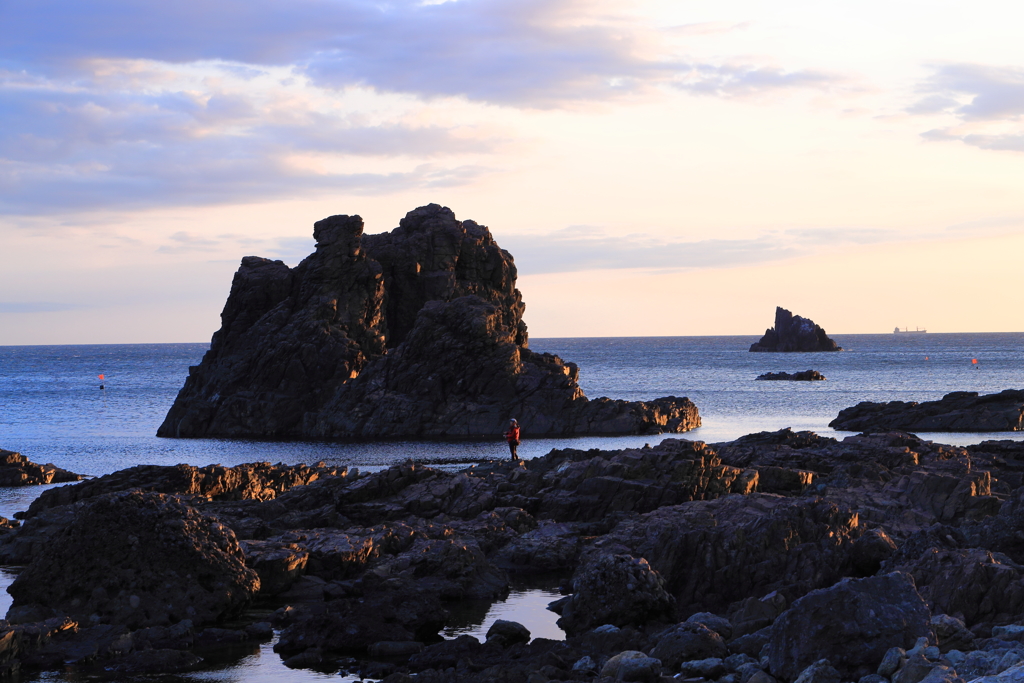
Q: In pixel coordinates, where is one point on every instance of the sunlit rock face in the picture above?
(415, 332)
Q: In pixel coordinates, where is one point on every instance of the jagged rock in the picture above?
(852, 624)
(617, 589)
(959, 411)
(976, 583)
(416, 332)
(803, 376)
(17, 470)
(794, 333)
(139, 559)
(713, 553)
(250, 481)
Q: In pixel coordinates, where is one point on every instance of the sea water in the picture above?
(52, 409)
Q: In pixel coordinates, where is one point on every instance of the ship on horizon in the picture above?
(907, 330)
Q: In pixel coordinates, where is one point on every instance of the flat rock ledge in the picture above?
(17, 470)
(793, 333)
(780, 556)
(960, 411)
(803, 376)
(414, 333)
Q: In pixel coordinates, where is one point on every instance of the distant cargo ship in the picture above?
(909, 331)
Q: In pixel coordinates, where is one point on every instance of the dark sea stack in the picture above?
(794, 333)
(960, 411)
(804, 376)
(413, 333)
(17, 470)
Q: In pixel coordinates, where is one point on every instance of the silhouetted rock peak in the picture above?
(414, 332)
(794, 333)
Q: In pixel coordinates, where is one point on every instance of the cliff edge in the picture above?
(413, 333)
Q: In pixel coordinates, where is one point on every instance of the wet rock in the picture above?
(17, 470)
(959, 411)
(794, 333)
(852, 624)
(140, 559)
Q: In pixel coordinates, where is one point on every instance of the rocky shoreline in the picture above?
(782, 556)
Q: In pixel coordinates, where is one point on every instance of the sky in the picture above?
(655, 167)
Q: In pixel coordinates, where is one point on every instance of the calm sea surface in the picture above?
(52, 410)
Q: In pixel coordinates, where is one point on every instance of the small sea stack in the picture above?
(793, 333)
(805, 376)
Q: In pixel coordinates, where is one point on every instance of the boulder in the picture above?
(687, 641)
(794, 333)
(139, 559)
(852, 624)
(959, 411)
(413, 333)
(618, 589)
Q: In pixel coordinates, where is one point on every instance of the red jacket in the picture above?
(512, 434)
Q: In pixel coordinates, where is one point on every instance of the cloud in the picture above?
(986, 102)
(67, 150)
(580, 248)
(533, 52)
(745, 80)
(36, 307)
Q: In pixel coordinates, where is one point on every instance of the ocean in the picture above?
(53, 410)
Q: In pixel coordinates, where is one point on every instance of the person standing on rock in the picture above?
(512, 436)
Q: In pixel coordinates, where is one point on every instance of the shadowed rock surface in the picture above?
(413, 333)
(960, 411)
(17, 470)
(780, 556)
(794, 333)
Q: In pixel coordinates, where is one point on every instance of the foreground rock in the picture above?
(416, 332)
(794, 333)
(137, 559)
(17, 470)
(778, 557)
(960, 411)
(804, 376)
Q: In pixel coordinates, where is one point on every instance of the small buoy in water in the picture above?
(101, 386)
(101, 381)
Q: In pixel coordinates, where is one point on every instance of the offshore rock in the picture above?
(139, 559)
(413, 333)
(804, 376)
(17, 470)
(960, 411)
(794, 333)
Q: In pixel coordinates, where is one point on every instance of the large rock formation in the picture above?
(794, 333)
(413, 333)
(960, 411)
